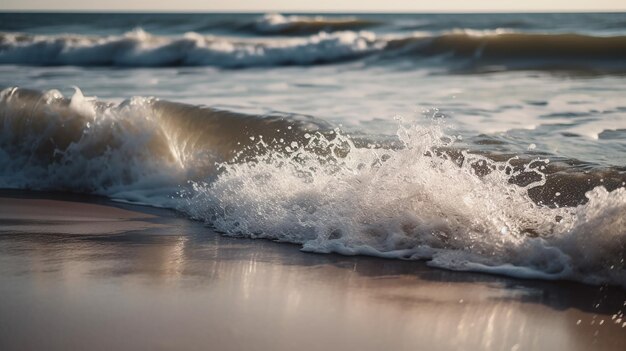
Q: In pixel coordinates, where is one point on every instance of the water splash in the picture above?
(415, 202)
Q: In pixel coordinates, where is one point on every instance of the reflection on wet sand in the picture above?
(177, 285)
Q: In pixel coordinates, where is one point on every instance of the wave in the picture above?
(297, 25)
(300, 180)
(458, 50)
(141, 149)
(140, 49)
(524, 49)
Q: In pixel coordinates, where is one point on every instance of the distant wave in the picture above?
(501, 46)
(439, 25)
(297, 179)
(459, 49)
(140, 49)
(486, 51)
(290, 25)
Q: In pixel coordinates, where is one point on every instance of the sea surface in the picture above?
(478, 142)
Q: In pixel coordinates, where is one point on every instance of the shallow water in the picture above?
(190, 288)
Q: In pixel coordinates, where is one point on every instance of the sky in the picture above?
(320, 5)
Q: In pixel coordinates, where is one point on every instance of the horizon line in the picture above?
(408, 12)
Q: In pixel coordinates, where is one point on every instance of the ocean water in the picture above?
(482, 142)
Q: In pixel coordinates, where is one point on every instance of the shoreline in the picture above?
(85, 272)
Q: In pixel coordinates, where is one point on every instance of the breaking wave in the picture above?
(461, 49)
(300, 180)
(141, 150)
(139, 49)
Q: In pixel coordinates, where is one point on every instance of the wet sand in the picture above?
(85, 273)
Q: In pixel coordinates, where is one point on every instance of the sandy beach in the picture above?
(85, 273)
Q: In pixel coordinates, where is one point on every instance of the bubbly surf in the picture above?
(302, 180)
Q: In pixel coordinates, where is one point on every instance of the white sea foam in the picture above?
(412, 204)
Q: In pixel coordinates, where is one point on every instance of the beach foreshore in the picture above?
(80, 272)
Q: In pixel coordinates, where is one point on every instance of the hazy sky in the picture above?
(320, 5)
